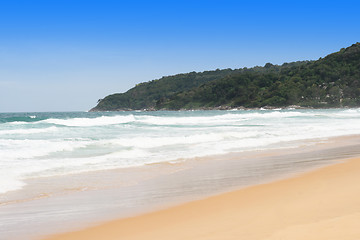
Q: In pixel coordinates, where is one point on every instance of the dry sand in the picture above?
(323, 204)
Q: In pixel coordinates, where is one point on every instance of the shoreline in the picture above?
(165, 185)
(321, 204)
(167, 167)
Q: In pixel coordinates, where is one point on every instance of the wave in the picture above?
(228, 117)
(90, 122)
(150, 142)
(21, 119)
(52, 146)
(233, 117)
(29, 148)
(29, 130)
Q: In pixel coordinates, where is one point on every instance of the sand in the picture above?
(323, 204)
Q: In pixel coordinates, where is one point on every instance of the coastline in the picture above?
(90, 199)
(321, 204)
(220, 108)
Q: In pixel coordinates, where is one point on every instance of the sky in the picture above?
(64, 55)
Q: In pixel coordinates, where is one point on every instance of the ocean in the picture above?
(36, 145)
(43, 154)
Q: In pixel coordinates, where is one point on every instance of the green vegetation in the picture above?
(146, 95)
(333, 81)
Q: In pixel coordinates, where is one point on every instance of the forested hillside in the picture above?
(146, 95)
(333, 81)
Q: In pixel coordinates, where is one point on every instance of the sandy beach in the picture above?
(322, 204)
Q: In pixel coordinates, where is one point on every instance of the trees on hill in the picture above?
(333, 81)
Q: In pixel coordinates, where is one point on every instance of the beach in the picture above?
(321, 204)
(65, 172)
(179, 120)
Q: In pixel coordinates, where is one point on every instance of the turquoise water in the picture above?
(34, 145)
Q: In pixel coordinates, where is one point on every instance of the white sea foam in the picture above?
(89, 122)
(12, 184)
(27, 149)
(29, 130)
(76, 143)
(220, 119)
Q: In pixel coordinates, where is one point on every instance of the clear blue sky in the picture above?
(63, 55)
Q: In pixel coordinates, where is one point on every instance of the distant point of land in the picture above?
(332, 81)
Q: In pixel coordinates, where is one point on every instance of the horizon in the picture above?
(62, 56)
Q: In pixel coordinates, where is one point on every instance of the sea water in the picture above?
(65, 171)
(35, 145)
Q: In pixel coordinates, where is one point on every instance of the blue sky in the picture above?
(63, 55)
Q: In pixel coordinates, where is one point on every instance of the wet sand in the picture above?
(322, 204)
